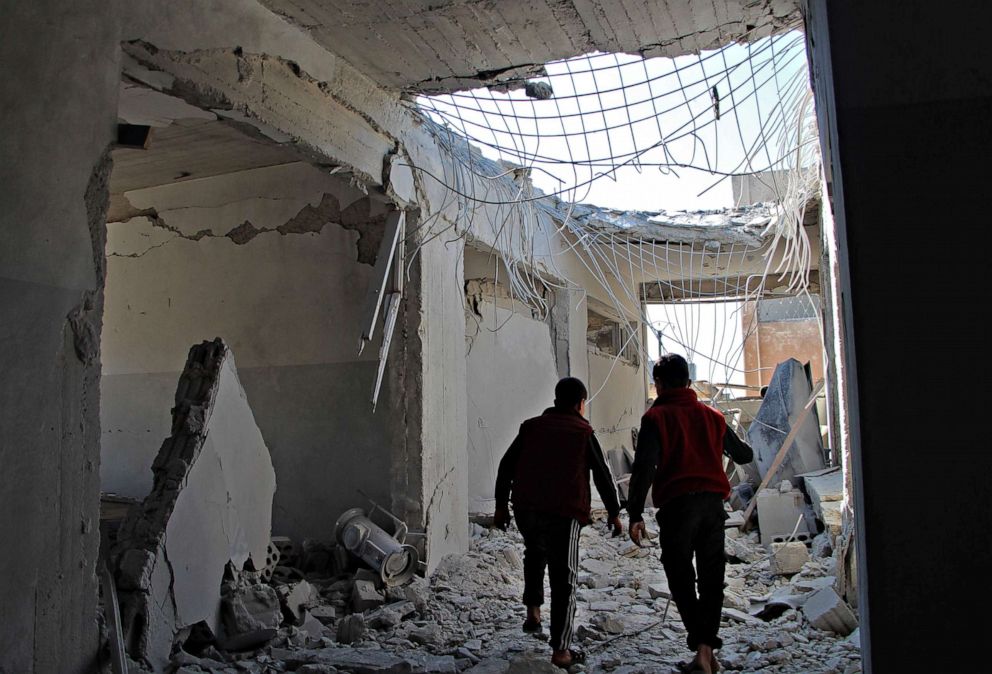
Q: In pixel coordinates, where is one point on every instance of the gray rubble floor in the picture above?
(469, 616)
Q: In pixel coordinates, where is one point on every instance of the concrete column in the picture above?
(904, 102)
(57, 117)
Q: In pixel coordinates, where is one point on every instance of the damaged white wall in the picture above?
(288, 302)
(511, 373)
(211, 504)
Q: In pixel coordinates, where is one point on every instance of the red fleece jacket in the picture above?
(688, 446)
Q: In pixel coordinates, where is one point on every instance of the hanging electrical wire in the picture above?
(521, 158)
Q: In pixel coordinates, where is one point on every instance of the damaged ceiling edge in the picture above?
(234, 107)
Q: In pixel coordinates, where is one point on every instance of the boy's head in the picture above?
(571, 394)
(671, 371)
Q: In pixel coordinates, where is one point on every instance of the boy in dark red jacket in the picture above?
(679, 455)
(547, 468)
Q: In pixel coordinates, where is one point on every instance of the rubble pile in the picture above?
(781, 614)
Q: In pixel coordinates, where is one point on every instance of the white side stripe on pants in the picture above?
(573, 567)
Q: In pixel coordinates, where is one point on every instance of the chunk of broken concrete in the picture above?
(210, 504)
(251, 615)
(351, 629)
(826, 610)
(390, 615)
(295, 598)
(364, 596)
(787, 558)
(325, 613)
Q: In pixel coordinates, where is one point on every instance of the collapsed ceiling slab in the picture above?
(462, 44)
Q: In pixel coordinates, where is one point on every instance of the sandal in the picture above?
(532, 626)
(575, 658)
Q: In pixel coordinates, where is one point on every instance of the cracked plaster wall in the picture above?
(56, 122)
(511, 376)
(288, 301)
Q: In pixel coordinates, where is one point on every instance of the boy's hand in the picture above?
(616, 525)
(637, 532)
(501, 520)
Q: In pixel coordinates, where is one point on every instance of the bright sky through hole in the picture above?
(614, 118)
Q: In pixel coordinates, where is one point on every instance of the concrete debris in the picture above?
(466, 617)
(364, 596)
(251, 615)
(788, 558)
(295, 598)
(539, 90)
(779, 512)
(210, 505)
(827, 611)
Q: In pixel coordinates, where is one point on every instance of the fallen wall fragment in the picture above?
(211, 504)
(781, 409)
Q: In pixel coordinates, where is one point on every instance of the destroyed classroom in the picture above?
(280, 281)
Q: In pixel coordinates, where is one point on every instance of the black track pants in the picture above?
(552, 541)
(693, 525)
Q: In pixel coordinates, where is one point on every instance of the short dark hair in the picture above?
(569, 392)
(671, 371)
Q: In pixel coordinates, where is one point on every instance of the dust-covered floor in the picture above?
(467, 618)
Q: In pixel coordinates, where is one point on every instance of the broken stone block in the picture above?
(657, 590)
(287, 550)
(368, 575)
(778, 513)
(364, 596)
(325, 613)
(312, 627)
(611, 623)
(532, 663)
(822, 546)
(429, 634)
(512, 558)
(390, 615)
(295, 598)
(351, 629)
(825, 610)
(251, 615)
(787, 558)
(210, 504)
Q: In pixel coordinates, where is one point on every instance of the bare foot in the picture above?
(703, 662)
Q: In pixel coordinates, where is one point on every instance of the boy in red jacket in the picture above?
(679, 455)
(547, 467)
